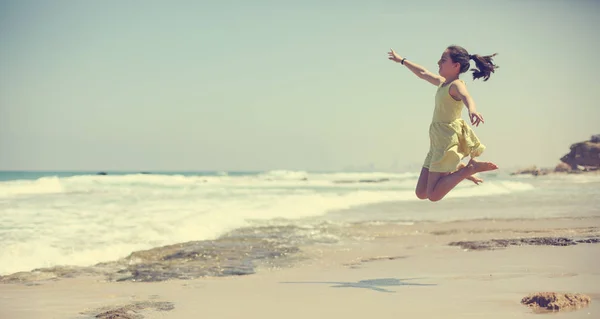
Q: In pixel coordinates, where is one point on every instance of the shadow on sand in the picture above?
(373, 284)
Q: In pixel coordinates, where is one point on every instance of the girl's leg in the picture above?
(439, 184)
(472, 178)
(421, 190)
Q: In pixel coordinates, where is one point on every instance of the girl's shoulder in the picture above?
(444, 84)
(455, 87)
(458, 82)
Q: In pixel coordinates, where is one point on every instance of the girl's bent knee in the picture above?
(433, 198)
(421, 195)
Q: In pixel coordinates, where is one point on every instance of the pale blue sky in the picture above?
(300, 85)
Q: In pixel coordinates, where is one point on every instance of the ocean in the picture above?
(230, 220)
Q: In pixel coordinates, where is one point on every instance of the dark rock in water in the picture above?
(583, 157)
(538, 241)
(51, 273)
(212, 258)
(223, 257)
(237, 253)
(532, 170)
(374, 180)
(343, 182)
(594, 240)
(586, 154)
(101, 173)
(562, 168)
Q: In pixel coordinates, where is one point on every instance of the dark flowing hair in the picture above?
(485, 64)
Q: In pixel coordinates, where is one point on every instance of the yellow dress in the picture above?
(450, 138)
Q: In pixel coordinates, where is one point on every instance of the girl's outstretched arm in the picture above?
(418, 70)
(459, 90)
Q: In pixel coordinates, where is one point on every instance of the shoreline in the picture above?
(358, 231)
(355, 279)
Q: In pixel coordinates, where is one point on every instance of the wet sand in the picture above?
(414, 271)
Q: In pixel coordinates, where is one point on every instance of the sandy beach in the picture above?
(402, 271)
(265, 160)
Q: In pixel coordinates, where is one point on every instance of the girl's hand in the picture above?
(476, 118)
(392, 55)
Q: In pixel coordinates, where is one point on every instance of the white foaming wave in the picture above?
(44, 185)
(284, 180)
(223, 219)
(17, 257)
(335, 176)
(136, 179)
(132, 182)
(356, 176)
(283, 175)
(121, 229)
(191, 209)
(583, 178)
(489, 188)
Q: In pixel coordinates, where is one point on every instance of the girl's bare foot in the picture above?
(478, 167)
(472, 178)
(475, 179)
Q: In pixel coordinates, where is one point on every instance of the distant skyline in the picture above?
(270, 85)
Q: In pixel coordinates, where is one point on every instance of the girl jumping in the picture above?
(450, 138)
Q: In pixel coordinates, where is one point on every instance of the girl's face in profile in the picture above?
(447, 68)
